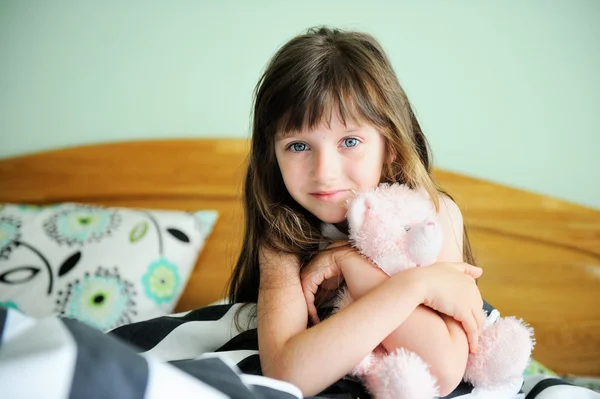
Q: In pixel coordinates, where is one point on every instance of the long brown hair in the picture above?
(312, 77)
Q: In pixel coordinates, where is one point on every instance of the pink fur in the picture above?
(370, 364)
(402, 375)
(397, 228)
(504, 351)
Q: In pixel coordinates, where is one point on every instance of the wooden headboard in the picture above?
(541, 256)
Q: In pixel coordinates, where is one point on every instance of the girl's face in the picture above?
(322, 167)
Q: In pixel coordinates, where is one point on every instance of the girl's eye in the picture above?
(297, 147)
(350, 142)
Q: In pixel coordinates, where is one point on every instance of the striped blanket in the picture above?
(197, 354)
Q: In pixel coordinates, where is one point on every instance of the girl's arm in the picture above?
(315, 358)
(440, 341)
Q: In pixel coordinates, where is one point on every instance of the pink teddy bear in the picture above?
(397, 228)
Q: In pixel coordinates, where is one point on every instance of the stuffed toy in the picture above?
(397, 229)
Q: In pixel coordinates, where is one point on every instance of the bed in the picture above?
(541, 255)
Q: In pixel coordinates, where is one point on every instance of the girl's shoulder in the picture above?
(447, 204)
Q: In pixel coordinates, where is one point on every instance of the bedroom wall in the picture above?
(507, 92)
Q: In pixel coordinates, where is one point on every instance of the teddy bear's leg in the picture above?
(401, 375)
(504, 351)
(369, 363)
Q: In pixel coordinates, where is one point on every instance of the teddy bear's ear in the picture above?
(358, 210)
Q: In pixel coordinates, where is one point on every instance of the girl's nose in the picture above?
(325, 166)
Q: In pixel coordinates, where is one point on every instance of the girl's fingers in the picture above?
(310, 303)
(473, 271)
(310, 285)
(470, 326)
(479, 318)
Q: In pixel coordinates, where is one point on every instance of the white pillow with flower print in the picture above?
(104, 266)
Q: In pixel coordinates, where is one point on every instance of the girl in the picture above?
(329, 118)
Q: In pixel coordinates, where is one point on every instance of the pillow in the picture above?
(103, 266)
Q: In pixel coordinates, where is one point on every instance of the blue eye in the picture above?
(297, 147)
(350, 142)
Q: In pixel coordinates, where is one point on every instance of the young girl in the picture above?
(330, 118)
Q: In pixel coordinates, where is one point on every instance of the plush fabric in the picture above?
(398, 229)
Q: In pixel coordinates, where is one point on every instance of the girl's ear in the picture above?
(390, 156)
(358, 209)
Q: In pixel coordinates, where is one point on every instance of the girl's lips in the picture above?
(328, 195)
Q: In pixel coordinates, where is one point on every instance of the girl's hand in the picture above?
(450, 289)
(322, 272)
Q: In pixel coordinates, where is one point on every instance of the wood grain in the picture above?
(541, 256)
(162, 174)
(541, 260)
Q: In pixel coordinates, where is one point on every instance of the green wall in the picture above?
(507, 91)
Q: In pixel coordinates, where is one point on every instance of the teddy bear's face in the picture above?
(396, 227)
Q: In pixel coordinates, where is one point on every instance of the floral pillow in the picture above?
(104, 266)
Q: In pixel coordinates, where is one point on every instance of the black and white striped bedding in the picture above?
(198, 354)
